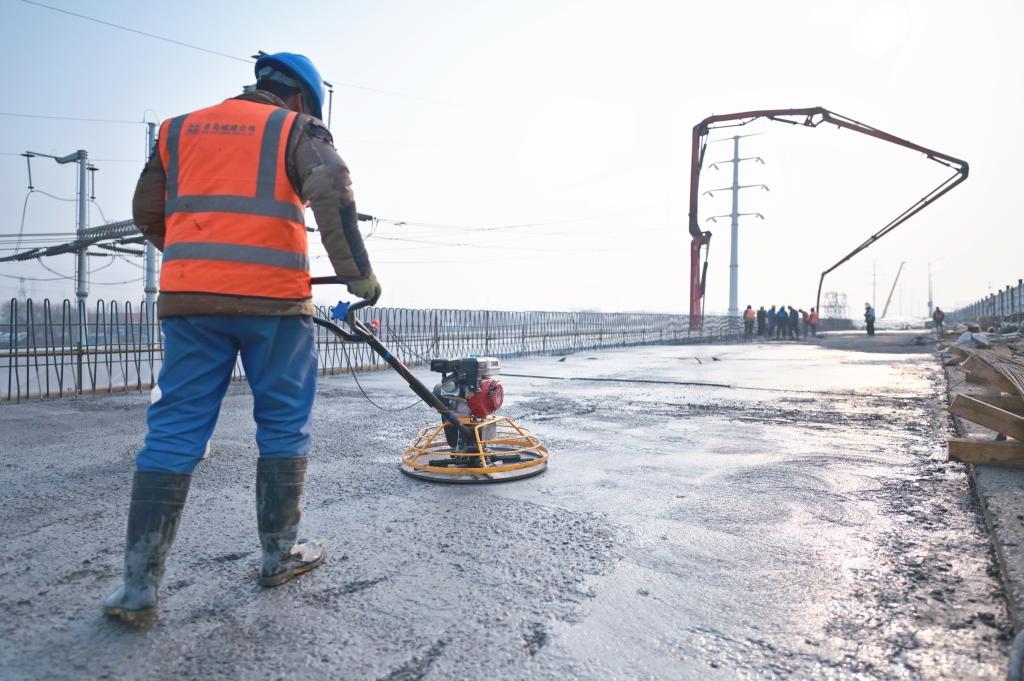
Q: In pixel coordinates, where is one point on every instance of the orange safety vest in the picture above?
(234, 222)
(749, 314)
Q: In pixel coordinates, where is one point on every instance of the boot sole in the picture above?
(282, 577)
(132, 618)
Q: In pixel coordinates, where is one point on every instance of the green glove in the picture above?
(365, 288)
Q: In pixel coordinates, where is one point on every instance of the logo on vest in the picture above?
(220, 128)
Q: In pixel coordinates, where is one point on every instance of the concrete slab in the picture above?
(801, 522)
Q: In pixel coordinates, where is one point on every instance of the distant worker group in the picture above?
(781, 322)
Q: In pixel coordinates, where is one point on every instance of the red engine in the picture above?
(488, 399)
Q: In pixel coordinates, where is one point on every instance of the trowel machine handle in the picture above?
(361, 334)
(346, 311)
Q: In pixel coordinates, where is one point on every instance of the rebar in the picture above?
(40, 356)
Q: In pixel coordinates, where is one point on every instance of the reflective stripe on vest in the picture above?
(234, 204)
(234, 221)
(253, 255)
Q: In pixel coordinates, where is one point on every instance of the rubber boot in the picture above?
(157, 501)
(279, 484)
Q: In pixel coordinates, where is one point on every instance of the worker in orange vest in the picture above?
(748, 321)
(224, 198)
(812, 320)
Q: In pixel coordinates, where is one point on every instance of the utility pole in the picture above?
(893, 289)
(874, 282)
(734, 266)
(82, 269)
(150, 285)
(81, 157)
(930, 308)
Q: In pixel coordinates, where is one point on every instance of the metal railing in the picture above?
(995, 309)
(52, 350)
(49, 350)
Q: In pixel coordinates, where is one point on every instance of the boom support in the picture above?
(811, 118)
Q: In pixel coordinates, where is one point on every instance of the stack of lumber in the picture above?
(997, 404)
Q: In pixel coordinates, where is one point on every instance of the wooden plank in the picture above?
(994, 418)
(981, 369)
(1005, 453)
(1005, 402)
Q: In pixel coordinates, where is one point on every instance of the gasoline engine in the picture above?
(471, 392)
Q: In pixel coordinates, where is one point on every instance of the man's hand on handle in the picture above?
(365, 288)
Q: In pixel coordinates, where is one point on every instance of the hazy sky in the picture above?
(575, 115)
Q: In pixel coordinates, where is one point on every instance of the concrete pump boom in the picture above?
(811, 118)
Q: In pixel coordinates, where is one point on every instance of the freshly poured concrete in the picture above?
(802, 523)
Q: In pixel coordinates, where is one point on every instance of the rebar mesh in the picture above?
(55, 350)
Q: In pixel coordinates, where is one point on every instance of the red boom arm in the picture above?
(812, 118)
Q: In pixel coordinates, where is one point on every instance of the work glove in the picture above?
(365, 288)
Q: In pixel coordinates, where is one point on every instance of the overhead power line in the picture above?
(137, 31)
(18, 276)
(434, 225)
(11, 114)
(247, 60)
(100, 160)
(123, 231)
(488, 245)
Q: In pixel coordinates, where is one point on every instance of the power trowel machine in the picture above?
(472, 443)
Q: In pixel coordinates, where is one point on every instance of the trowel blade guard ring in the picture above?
(509, 439)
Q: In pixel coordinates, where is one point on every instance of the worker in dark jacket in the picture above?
(794, 323)
(781, 323)
(938, 316)
(762, 320)
(223, 197)
(772, 318)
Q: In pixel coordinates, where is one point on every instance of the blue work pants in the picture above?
(279, 358)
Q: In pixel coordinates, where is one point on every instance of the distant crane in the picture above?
(889, 299)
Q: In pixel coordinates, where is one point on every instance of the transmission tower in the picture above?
(735, 215)
(835, 305)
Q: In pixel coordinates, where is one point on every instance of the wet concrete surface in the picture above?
(891, 342)
(801, 523)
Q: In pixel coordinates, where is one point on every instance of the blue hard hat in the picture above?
(288, 66)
